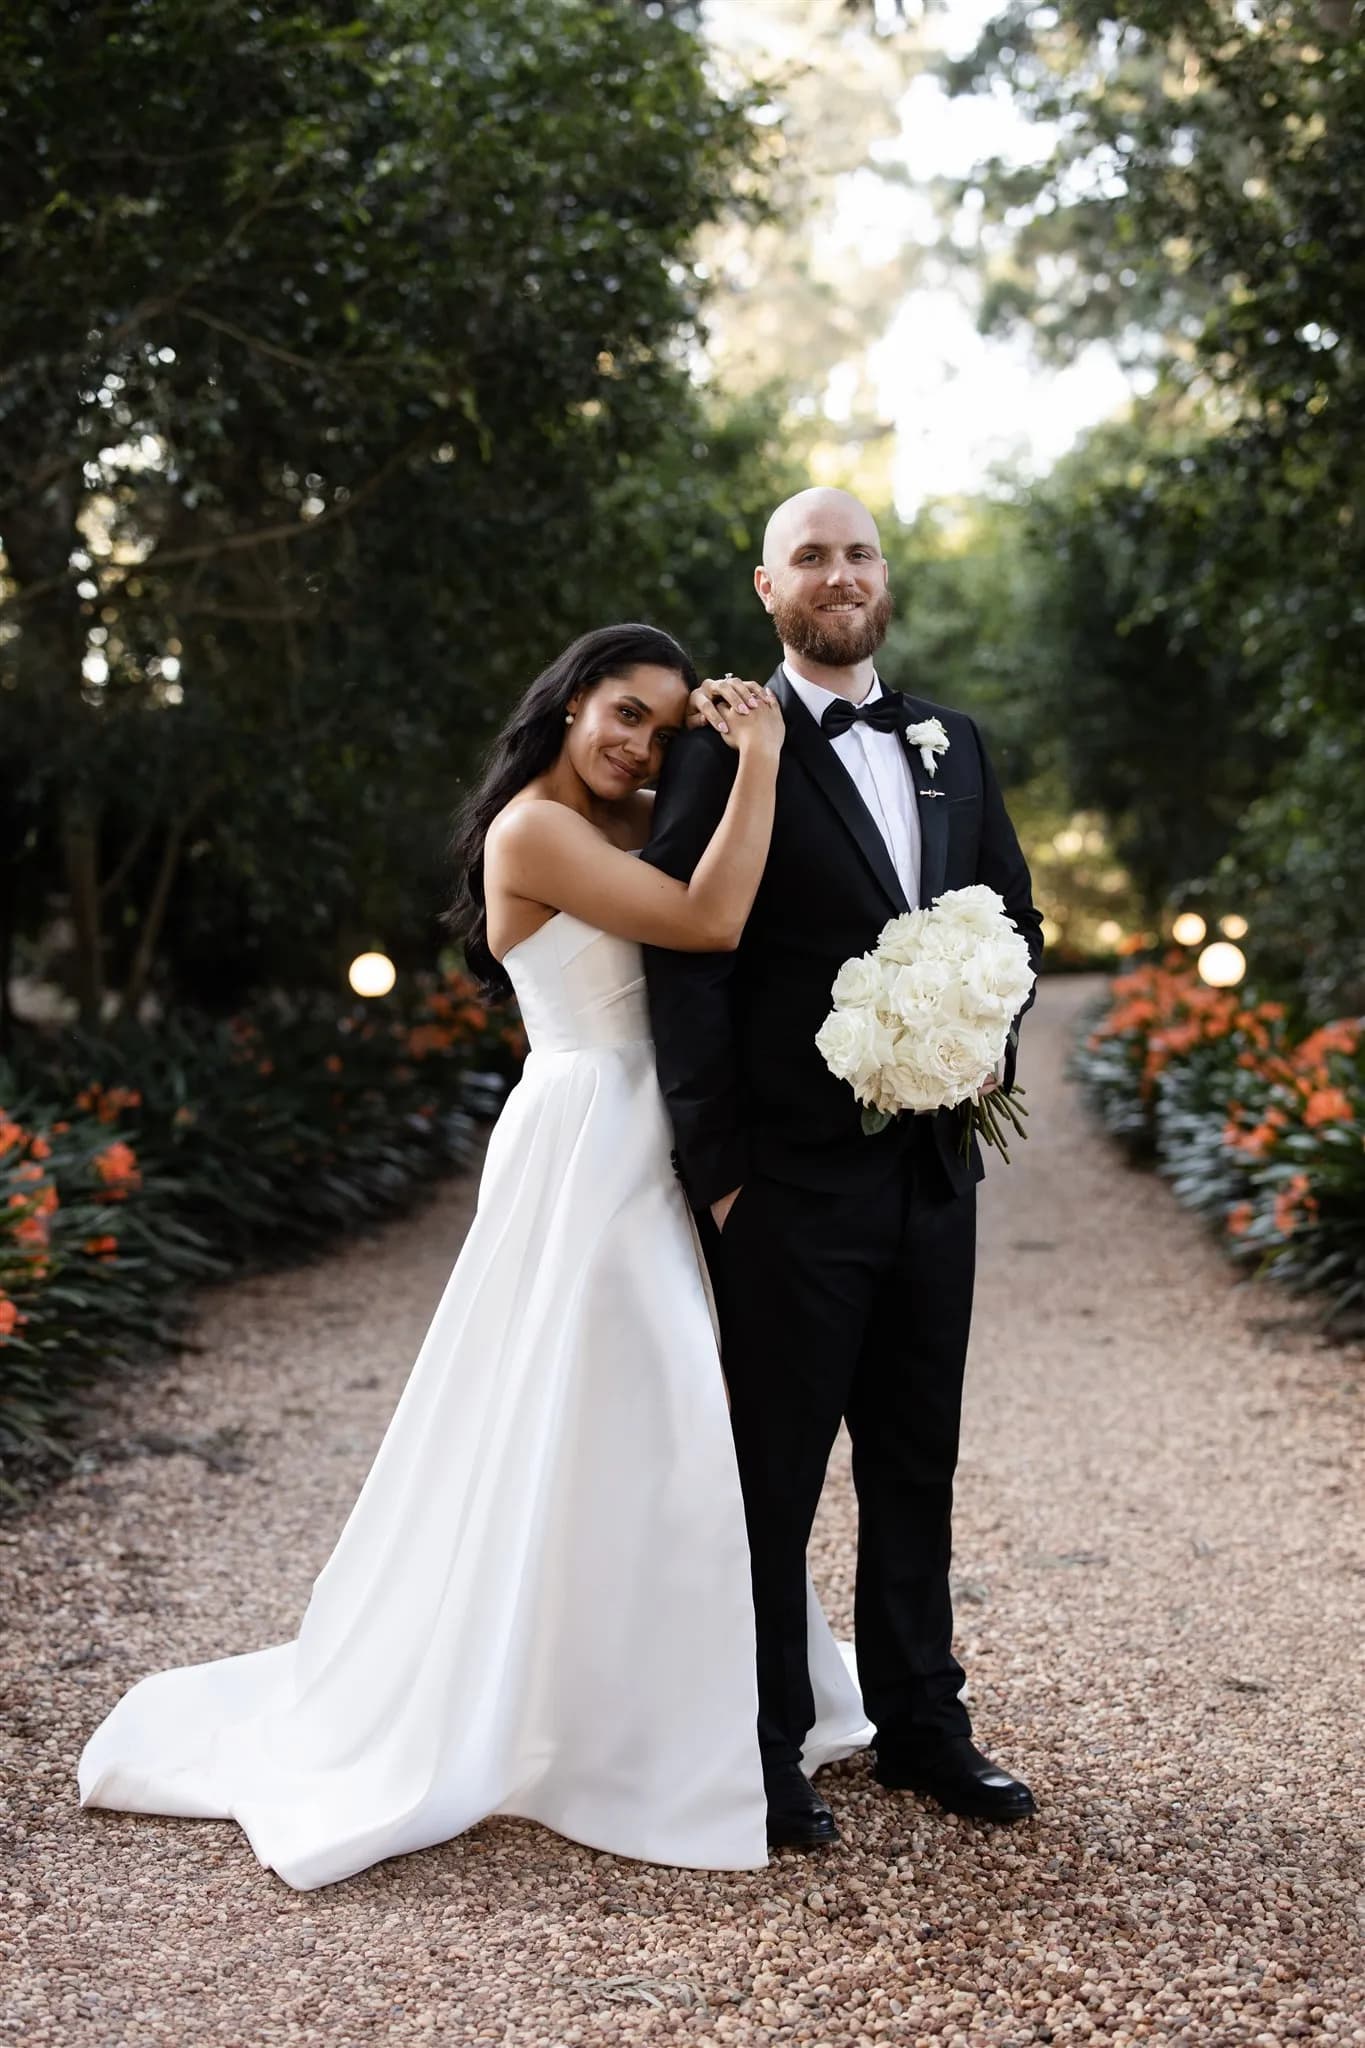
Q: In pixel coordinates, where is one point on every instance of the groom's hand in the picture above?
(721, 1209)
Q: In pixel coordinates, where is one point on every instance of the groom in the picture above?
(843, 1263)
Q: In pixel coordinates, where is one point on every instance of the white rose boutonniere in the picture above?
(931, 740)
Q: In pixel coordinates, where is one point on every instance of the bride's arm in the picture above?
(547, 854)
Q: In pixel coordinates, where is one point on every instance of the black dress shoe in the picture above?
(960, 1778)
(798, 1817)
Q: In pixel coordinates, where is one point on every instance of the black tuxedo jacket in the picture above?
(735, 1032)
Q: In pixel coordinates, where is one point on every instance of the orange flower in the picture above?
(59, 1130)
(425, 1038)
(10, 1317)
(333, 1063)
(28, 1172)
(1240, 1219)
(38, 1148)
(1294, 1204)
(1342, 1036)
(1328, 1106)
(46, 1201)
(102, 1248)
(30, 1234)
(184, 1115)
(117, 1167)
(10, 1133)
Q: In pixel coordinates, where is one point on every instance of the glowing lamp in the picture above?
(372, 974)
(1189, 928)
(1232, 926)
(1222, 964)
(1109, 933)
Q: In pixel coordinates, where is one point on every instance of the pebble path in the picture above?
(1159, 1572)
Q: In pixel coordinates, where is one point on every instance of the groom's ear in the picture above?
(763, 584)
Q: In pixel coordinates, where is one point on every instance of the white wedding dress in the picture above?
(539, 1604)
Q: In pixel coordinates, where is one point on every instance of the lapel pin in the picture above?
(931, 792)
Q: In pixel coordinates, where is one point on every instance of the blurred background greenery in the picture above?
(354, 358)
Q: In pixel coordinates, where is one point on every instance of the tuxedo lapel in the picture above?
(932, 802)
(933, 832)
(825, 769)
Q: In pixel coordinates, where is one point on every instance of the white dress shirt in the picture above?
(879, 770)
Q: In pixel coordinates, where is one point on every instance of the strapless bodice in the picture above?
(579, 988)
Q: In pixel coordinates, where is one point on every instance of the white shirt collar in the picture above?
(816, 697)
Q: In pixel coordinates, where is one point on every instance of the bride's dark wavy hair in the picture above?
(527, 745)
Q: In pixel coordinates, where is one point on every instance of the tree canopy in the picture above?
(1200, 211)
(346, 375)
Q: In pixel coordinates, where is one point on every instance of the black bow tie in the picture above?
(887, 713)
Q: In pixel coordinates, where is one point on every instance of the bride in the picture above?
(539, 1604)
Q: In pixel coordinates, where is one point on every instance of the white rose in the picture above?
(977, 907)
(906, 1080)
(858, 982)
(855, 1045)
(903, 937)
(996, 976)
(955, 1059)
(921, 985)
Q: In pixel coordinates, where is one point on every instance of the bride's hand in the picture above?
(711, 700)
(761, 730)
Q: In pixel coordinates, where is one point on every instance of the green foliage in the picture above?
(203, 1150)
(1200, 210)
(346, 378)
(1260, 1131)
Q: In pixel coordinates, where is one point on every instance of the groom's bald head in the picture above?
(823, 578)
(818, 514)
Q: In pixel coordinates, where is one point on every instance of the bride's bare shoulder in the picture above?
(528, 820)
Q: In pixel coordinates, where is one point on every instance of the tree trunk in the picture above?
(80, 853)
(6, 963)
(144, 953)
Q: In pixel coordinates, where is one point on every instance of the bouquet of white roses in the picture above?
(921, 1023)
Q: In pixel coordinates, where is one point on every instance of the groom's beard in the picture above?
(838, 642)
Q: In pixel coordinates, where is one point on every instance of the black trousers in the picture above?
(853, 1306)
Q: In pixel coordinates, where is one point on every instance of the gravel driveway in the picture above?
(1160, 1564)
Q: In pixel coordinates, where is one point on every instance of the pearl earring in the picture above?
(568, 718)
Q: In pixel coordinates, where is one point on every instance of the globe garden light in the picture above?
(1189, 928)
(372, 974)
(1110, 932)
(1222, 964)
(1232, 926)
